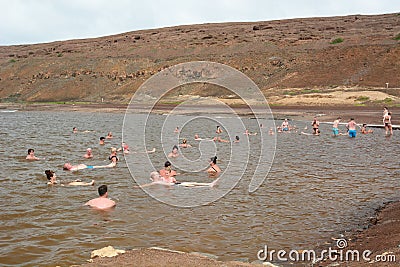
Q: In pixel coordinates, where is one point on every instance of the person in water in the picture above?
(176, 129)
(219, 130)
(335, 126)
(174, 153)
(364, 129)
(88, 154)
(102, 202)
(315, 126)
(387, 121)
(74, 130)
(51, 176)
(237, 139)
(285, 126)
(102, 139)
(109, 135)
(69, 167)
(185, 144)
(31, 155)
(351, 126)
(214, 170)
(113, 156)
(167, 173)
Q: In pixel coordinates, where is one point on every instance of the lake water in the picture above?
(317, 187)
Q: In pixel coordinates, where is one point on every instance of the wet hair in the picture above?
(175, 147)
(49, 174)
(30, 150)
(352, 119)
(167, 164)
(237, 137)
(390, 113)
(102, 190)
(184, 141)
(73, 129)
(102, 138)
(364, 124)
(339, 118)
(214, 159)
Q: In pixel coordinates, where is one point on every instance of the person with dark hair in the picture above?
(51, 176)
(214, 170)
(31, 155)
(176, 129)
(219, 130)
(185, 144)
(315, 126)
(335, 127)
(351, 126)
(237, 139)
(102, 139)
(102, 202)
(174, 153)
(74, 130)
(168, 173)
(364, 129)
(387, 121)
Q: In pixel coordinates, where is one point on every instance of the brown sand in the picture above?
(152, 257)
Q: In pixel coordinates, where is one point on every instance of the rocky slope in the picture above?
(296, 61)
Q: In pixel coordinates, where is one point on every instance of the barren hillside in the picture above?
(298, 61)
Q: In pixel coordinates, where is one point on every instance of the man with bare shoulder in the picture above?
(102, 202)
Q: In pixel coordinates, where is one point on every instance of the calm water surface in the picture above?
(317, 187)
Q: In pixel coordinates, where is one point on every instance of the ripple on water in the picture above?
(316, 187)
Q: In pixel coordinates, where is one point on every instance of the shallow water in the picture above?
(316, 188)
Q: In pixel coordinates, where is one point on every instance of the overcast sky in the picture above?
(39, 21)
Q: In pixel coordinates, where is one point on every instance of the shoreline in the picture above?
(362, 114)
(381, 236)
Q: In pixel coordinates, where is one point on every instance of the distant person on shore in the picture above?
(364, 129)
(174, 153)
(351, 126)
(285, 126)
(214, 170)
(102, 202)
(185, 144)
(315, 126)
(101, 142)
(167, 173)
(387, 121)
(88, 154)
(31, 155)
(74, 130)
(335, 127)
(109, 135)
(176, 129)
(51, 176)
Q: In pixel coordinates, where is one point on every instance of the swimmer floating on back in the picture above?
(51, 176)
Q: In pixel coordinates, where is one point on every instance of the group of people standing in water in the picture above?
(351, 126)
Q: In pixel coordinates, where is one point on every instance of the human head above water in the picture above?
(175, 148)
(30, 150)
(49, 174)
(102, 190)
(167, 164)
(213, 159)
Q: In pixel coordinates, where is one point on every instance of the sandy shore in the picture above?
(155, 257)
